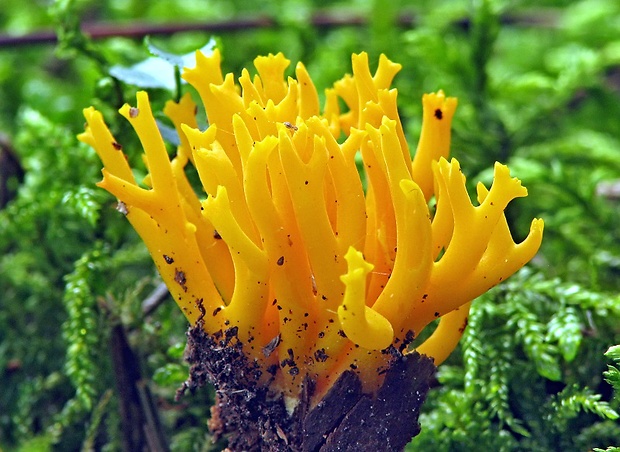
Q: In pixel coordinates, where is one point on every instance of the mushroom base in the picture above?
(252, 418)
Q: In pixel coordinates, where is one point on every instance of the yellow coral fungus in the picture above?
(315, 273)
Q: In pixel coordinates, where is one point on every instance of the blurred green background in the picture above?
(538, 84)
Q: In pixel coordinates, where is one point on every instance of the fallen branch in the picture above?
(138, 30)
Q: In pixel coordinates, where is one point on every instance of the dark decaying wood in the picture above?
(253, 419)
(141, 427)
(11, 172)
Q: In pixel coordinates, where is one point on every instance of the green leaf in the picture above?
(80, 330)
(158, 71)
(613, 353)
(171, 374)
(568, 403)
(612, 374)
(86, 201)
(176, 351)
(151, 73)
(565, 327)
(40, 443)
(531, 333)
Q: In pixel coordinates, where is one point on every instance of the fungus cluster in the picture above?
(306, 266)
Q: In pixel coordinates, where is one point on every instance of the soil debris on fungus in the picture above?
(252, 418)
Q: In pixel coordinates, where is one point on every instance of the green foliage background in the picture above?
(538, 84)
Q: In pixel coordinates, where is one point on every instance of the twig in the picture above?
(155, 298)
(323, 20)
(139, 30)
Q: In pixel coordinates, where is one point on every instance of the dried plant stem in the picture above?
(138, 30)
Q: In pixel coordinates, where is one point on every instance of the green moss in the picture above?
(538, 89)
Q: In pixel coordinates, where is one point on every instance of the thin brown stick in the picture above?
(138, 30)
(155, 299)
